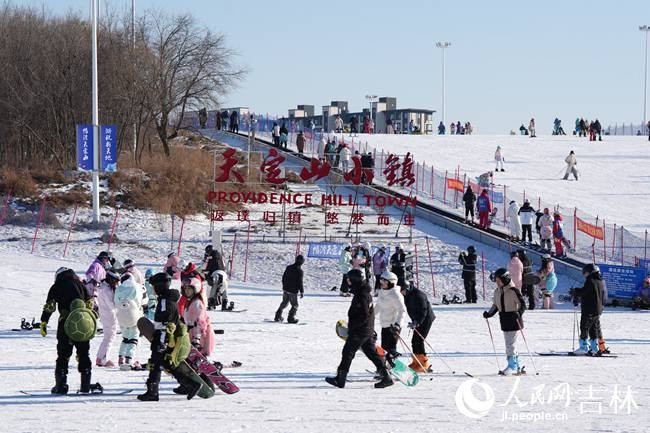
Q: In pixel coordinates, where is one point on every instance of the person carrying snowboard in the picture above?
(469, 198)
(292, 286)
(591, 297)
(391, 309)
(129, 298)
(509, 303)
(361, 333)
(468, 262)
(67, 288)
(419, 310)
(484, 206)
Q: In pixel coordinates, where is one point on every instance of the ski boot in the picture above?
(601, 346)
(593, 348)
(278, 317)
(583, 349)
(152, 391)
(445, 301)
(85, 381)
(182, 374)
(292, 320)
(61, 382)
(224, 304)
(338, 380)
(181, 390)
(511, 368)
(521, 370)
(25, 325)
(120, 360)
(386, 380)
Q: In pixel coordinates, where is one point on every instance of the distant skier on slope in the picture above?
(499, 159)
(571, 163)
(292, 287)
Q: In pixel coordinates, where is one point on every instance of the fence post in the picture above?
(483, 272)
(613, 241)
(180, 237)
(433, 281)
(604, 242)
(524, 194)
(248, 239)
(38, 223)
(433, 175)
(622, 247)
(417, 172)
(645, 246)
(171, 242)
(4, 208)
(74, 215)
(417, 268)
(575, 228)
(505, 200)
(298, 243)
(232, 255)
(444, 197)
(539, 203)
(110, 239)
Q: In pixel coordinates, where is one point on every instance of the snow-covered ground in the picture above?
(612, 185)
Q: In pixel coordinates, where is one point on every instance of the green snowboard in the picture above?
(147, 329)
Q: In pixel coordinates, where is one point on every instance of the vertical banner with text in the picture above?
(85, 153)
(108, 151)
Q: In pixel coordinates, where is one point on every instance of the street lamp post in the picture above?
(645, 29)
(371, 98)
(94, 7)
(443, 46)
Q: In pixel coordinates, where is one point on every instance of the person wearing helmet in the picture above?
(398, 265)
(469, 198)
(212, 261)
(468, 261)
(128, 267)
(172, 266)
(67, 287)
(361, 333)
(558, 233)
(391, 309)
(509, 303)
(129, 298)
(345, 266)
(591, 297)
(484, 207)
(196, 317)
(527, 215)
(292, 286)
(378, 265)
(367, 264)
(642, 298)
(107, 315)
(419, 310)
(546, 229)
(97, 272)
(150, 308)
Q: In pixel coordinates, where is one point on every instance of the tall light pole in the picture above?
(135, 127)
(371, 98)
(94, 10)
(443, 46)
(645, 29)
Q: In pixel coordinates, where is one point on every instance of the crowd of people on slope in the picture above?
(456, 128)
(584, 127)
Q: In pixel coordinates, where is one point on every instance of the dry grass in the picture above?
(18, 183)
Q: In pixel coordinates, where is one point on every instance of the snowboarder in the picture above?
(642, 298)
(379, 265)
(526, 215)
(571, 163)
(591, 297)
(469, 198)
(468, 262)
(531, 128)
(484, 207)
(513, 221)
(499, 159)
(196, 317)
(219, 291)
(129, 298)
(97, 272)
(398, 265)
(391, 309)
(67, 288)
(292, 286)
(527, 275)
(345, 265)
(361, 333)
(509, 302)
(549, 281)
(419, 310)
(546, 229)
(107, 315)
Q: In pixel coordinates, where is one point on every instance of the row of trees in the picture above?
(150, 74)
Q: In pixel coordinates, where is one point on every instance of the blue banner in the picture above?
(622, 282)
(108, 150)
(645, 264)
(496, 197)
(85, 147)
(332, 250)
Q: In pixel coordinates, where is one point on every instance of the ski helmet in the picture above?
(355, 276)
(104, 256)
(191, 283)
(60, 271)
(471, 249)
(128, 263)
(502, 274)
(526, 201)
(390, 277)
(161, 279)
(148, 273)
(208, 249)
(590, 268)
(182, 264)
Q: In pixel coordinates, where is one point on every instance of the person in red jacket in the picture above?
(484, 207)
(558, 233)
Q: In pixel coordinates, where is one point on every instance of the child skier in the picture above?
(196, 317)
(484, 206)
(361, 333)
(499, 159)
(509, 302)
(591, 297)
(129, 298)
(67, 287)
(546, 229)
(468, 262)
(391, 309)
(150, 308)
(549, 281)
(106, 301)
(558, 233)
(422, 317)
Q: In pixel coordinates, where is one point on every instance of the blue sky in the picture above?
(509, 60)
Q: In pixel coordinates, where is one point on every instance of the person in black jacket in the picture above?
(468, 261)
(591, 298)
(398, 265)
(527, 289)
(361, 333)
(67, 287)
(419, 310)
(291, 288)
(469, 198)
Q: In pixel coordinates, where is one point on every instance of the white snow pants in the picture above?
(106, 306)
(129, 341)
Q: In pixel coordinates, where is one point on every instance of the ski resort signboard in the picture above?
(622, 282)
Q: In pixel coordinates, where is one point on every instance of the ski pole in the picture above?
(521, 329)
(496, 358)
(435, 352)
(573, 344)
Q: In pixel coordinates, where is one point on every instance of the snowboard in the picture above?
(284, 323)
(147, 329)
(200, 363)
(229, 311)
(552, 353)
(77, 394)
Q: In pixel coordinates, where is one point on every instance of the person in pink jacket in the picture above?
(196, 317)
(171, 266)
(516, 270)
(97, 272)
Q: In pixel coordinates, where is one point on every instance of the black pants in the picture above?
(388, 340)
(590, 326)
(367, 345)
(470, 289)
(469, 210)
(417, 342)
(276, 141)
(377, 285)
(344, 284)
(528, 290)
(288, 298)
(527, 228)
(64, 351)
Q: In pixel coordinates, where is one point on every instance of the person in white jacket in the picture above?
(546, 229)
(106, 303)
(571, 163)
(130, 296)
(498, 159)
(391, 309)
(531, 128)
(346, 154)
(321, 148)
(513, 221)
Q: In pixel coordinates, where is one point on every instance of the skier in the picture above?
(468, 262)
(509, 302)
(499, 159)
(558, 234)
(546, 229)
(469, 198)
(422, 317)
(598, 129)
(484, 206)
(452, 128)
(391, 309)
(591, 297)
(378, 265)
(67, 287)
(219, 291)
(172, 266)
(549, 280)
(516, 270)
(292, 286)
(361, 333)
(527, 274)
(345, 265)
(196, 317)
(150, 308)
(513, 221)
(527, 214)
(106, 303)
(129, 298)
(97, 272)
(169, 340)
(571, 163)
(531, 128)
(398, 265)
(129, 268)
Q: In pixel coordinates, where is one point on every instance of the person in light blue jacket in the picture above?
(151, 295)
(129, 298)
(549, 281)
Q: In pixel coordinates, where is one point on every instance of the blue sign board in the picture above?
(108, 151)
(622, 282)
(332, 250)
(645, 264)
(497, 197)
(85, 156)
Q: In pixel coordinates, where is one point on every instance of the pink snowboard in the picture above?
(201, 364)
